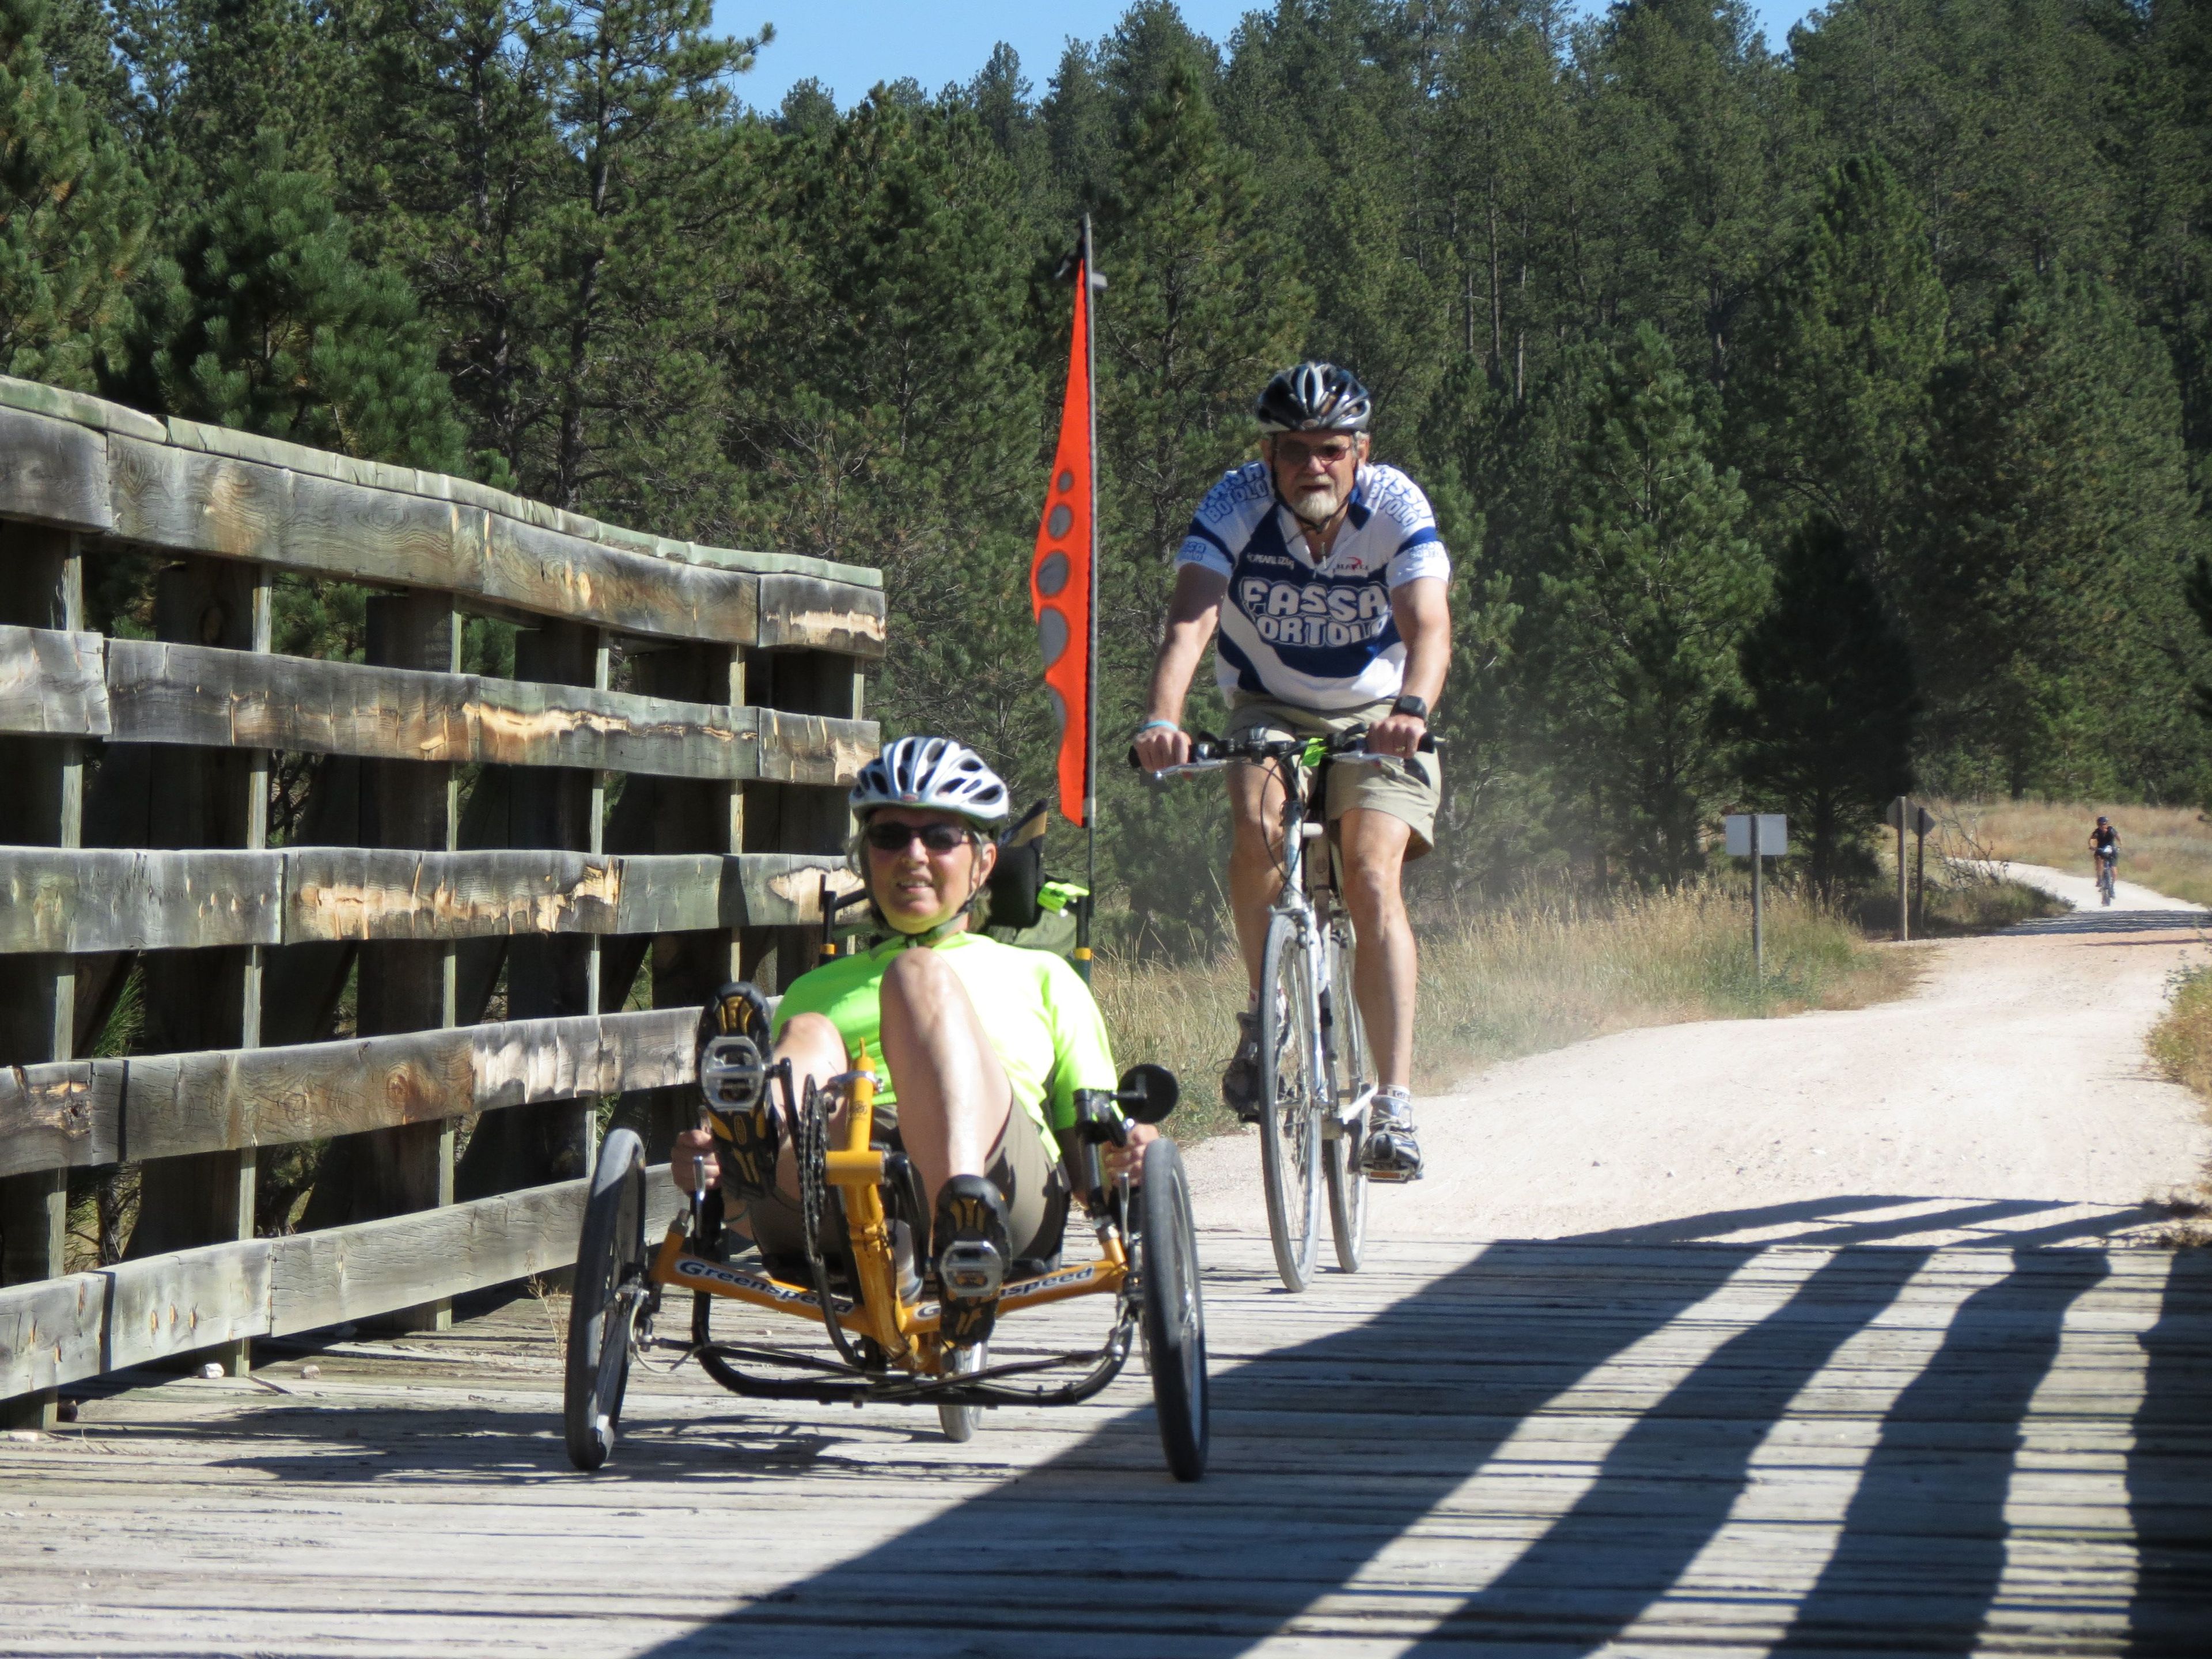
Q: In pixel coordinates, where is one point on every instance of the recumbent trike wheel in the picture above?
(609, 1292)
(1174, 1315)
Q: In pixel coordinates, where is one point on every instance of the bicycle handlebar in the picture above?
(1210, 754)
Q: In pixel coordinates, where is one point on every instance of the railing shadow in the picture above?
(2169, 1472)
(1922, 1548)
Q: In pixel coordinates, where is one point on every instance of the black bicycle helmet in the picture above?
(1315, 398)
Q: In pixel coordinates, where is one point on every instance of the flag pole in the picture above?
(1091, 287)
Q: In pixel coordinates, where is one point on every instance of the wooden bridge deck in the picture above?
(1534, 1449)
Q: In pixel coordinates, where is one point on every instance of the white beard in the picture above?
(1318, 505)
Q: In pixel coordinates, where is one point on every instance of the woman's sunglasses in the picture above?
(938, 838)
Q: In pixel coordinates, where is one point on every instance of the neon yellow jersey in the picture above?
(1039, 1013)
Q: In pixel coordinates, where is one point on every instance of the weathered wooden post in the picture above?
(41, 586)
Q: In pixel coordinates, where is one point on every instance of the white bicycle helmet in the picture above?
(934, 772)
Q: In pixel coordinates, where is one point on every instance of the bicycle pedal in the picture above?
(970, 1270)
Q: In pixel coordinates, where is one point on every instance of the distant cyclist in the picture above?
(2104, 845)
(1326, 579)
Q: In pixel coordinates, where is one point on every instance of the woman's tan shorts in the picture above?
(1022, 1171)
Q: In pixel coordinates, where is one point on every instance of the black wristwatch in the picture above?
(1410, 704)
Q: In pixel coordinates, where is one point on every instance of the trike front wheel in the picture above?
(609, 1290)
(1175, 1316)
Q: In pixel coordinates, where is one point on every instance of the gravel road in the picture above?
(2007, 1100)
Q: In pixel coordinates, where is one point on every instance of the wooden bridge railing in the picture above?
(548, 847)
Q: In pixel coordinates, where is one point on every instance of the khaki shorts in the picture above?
(1022, 1172)
(1385, 788)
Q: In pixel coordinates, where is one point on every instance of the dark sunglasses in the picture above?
(940, 838)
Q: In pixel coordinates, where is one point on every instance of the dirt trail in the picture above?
(2007, 1100)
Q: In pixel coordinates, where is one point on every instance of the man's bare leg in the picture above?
(953, 1095)
(1385, 971)
(1255, 876)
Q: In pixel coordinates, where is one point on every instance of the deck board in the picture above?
(1526, 1448)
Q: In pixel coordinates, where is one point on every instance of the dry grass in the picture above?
(1537, 974)
(2167, 848)
(2181, 1043)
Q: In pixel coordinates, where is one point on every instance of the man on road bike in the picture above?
(1326, 580)
(986, 1045)
(2104, 846)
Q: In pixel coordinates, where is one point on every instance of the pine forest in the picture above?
(1809, 420)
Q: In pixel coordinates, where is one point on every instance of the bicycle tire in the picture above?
(610, 1257)
(1342, 1165)
(1173, 1310)
(959, 1423)
(1290, 1104)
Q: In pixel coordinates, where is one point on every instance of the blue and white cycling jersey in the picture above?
(1316, 637)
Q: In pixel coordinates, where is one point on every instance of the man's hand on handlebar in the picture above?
(1399, 735)
(1159, 747)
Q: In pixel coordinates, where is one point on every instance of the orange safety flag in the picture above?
(1060, 576)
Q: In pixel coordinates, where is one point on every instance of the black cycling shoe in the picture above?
(733, 1054)
(1240, 1081)
(974, 1251)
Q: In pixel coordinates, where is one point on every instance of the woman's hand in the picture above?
(1131, 1157)
(693, 1144)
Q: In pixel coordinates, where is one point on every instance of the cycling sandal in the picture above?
(733, 1050)
(974, 1251)
(1240, 1081)
(1392, 1152)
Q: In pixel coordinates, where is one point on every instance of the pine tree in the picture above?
(268, 321)
(2053, 525)
(1634, 637)
(74, 216)
(1832, 401)
(1203, 307)
(636, 247)
(886, 402)
(468, 158)
(1825, 721)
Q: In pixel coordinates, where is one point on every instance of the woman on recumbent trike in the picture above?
(905, 1210)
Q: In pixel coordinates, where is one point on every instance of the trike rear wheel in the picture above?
(1290, 1092)
(1174, 1315)
(609, 1291)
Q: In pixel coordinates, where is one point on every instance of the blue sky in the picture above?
(850, 45)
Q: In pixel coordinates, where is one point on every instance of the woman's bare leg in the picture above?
(953, 1096)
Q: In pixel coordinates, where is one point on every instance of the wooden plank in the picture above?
(805, 612)
(109, 899)
(63, 1330)
(355, 1272)
(86, 899)
(193, 502)
(224, 1098)
(52, 683)
(381, 893)
(37, 399)
(181, 694)
(51, 1331)
(53, 472)
(62, 1114)
(208, 1295)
